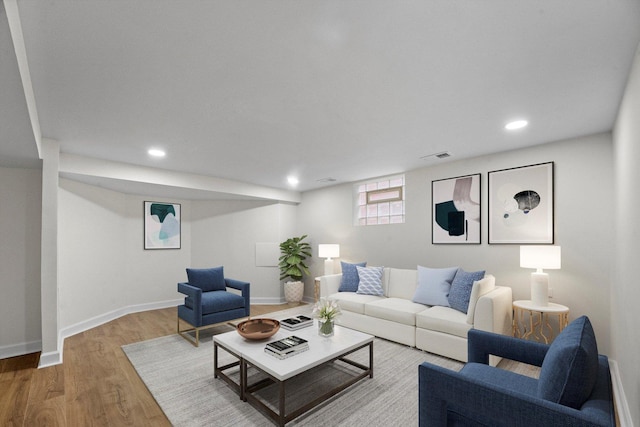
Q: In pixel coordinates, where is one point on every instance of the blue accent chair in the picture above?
(208, 302)
(573, 388)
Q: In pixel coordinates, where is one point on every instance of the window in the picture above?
(380, 201)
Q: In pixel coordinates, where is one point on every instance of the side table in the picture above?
(538, 320)
(316, 289)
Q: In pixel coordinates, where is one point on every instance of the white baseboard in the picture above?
(622, 407)
(112, 315)
(267, 300)
(276, 301)
(55, 357)
(50, 358)
(20, 349)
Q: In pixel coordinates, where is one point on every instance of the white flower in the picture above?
(326, 310)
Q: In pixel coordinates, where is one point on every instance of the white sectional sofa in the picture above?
(436, 329)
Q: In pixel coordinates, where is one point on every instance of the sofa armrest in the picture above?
(494, 311)
(481, 344)
(329, 284)
(244, 287)
(191, 291)
(239, 285)
(440, 390)
(196, 295)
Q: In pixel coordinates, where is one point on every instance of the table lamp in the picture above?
(540, 257)
(328, 251)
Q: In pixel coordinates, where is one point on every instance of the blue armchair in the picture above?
(573, 389)
(208, 302)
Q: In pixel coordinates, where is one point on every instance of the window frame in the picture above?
(386, 211)
(399, 197)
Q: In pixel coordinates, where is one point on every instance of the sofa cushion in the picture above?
(401, 283)
(461, 289)
(207, 279)
(434, 285)
(349, 281)
(570, 367)
(350, 301)
(370, 280)
(443, 319)
(479, 288)
(397, 310)
(217, 301)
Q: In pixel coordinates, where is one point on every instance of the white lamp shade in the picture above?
(328, 250)
(540, 257)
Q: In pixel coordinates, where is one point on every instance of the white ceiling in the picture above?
(254, 90)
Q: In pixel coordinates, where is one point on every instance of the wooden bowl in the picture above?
(258, 329)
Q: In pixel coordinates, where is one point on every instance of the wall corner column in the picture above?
(51, 347)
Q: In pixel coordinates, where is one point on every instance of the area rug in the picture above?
(180, 378)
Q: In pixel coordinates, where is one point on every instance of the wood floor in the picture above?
(96, 385)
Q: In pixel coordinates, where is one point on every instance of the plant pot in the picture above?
(293, 292)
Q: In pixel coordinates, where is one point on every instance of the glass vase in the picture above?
(325, 328)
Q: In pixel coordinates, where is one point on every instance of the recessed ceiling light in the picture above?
(518, 124)
(156, 153)
(292, 180)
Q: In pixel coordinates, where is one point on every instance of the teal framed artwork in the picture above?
(456, 210)
(162, 225)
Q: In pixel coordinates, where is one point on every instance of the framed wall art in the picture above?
(521, 205)
(456, 210)
(161, 225)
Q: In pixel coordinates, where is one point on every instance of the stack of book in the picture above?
(298, 322)
(287, 347)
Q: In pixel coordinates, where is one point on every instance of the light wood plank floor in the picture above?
(95, 385)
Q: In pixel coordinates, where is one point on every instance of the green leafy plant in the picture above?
(293, 253)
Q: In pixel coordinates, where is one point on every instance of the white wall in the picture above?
(626, 292)
(226, 232)
(103, 266)
(583, 226)
(20, 213)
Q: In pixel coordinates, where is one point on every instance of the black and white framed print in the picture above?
(521, 205)
(161, 225)
(456, 210)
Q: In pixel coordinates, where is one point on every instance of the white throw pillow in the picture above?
(479, 288)
(433, 285)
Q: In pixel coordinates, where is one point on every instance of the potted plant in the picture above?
(293, 253)
(326, 312)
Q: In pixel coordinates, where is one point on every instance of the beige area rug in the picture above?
(180, 378)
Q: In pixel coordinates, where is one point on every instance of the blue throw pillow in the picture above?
(434, 285)
(207, 279)
(461, 289)
(350, 279)
(370, 280)
(570, 367)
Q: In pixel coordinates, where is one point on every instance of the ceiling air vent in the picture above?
(327, 180)
(441, 156)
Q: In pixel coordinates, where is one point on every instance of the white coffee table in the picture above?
(321, 350)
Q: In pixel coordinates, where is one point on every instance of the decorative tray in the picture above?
(258, 329)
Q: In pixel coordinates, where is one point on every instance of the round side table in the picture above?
(538, 321)
(316, 289)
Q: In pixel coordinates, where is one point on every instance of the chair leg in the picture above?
(185, 334)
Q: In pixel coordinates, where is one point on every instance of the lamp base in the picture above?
(540, 289)
(328, 266)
